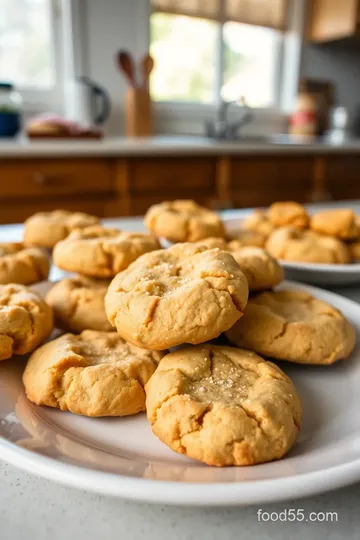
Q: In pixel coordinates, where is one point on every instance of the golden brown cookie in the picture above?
(288, 213)
(184, 294)
(341, 223)
(92, 374)
(259, 222)
(261, 269)
(293, 244)
(244, 238)
(183, 221)
(101, 252)
(223, 406)
(294, 326)
(78, 304)
(25, 320)
(212, 243)
(19, 264)
(45, 229)
(355, 250)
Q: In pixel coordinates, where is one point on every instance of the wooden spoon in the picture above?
(147, 65)
(126, 65)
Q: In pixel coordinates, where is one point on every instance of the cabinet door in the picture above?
(342, 177)
(261, 180)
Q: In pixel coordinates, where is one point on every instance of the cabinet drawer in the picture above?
(49, 177)
(343, 177)
(168, 174)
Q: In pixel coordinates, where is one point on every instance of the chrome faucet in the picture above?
(222, 128)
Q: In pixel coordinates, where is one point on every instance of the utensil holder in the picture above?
(138, 113)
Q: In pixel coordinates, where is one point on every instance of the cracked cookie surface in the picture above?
(45, 229)
(292, 244)
(341, 222)
(261, 270)
(101, 252)
(25, 320)
(288, 213)
(19, 264)
(223, 406)
(183, 221)
(78, 304)
(294, 326)
(184, 294)
(91, 374)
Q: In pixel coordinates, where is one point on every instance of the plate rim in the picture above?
(168, 492)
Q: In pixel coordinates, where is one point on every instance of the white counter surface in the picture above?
(164, 145)
(34, 508)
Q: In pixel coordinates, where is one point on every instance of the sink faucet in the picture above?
(222, 128)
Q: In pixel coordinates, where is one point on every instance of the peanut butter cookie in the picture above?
(289, 213)
(293, 244)
(261, 269)
(341, 223)
(184, 294)
(78, 304)
(223, 406)
(183, 221)
(92, 374)
(245, 238)
(45, 229)
(355, 250)
(25, 320)
(19, 264)
(294, 326)
(101, 252)
(259, 222)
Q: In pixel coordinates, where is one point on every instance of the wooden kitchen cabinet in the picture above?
(330, 20)
(260, 181)
(127, 186)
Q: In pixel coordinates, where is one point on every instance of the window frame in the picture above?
(171, 115)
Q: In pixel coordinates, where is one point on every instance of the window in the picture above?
(26, 44)
(207, 49)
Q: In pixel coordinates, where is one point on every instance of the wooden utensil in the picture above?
(126, 65)
(147, 65)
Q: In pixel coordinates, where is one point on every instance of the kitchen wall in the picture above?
(107, 26)
(340, 62)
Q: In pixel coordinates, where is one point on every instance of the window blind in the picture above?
(268, 13)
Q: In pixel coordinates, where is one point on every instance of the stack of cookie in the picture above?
(220, 404)
(288, 232)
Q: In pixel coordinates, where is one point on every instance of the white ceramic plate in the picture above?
(317, 274)
(121, 457)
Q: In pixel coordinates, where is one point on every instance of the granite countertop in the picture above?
(32, 507)
(167, 145)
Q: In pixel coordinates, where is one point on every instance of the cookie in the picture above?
(341, 223)
(45, 229)
(19, 264)
(184, 294)
(259, 222)
(293, 244)
(294, 326)
(355, 250)
(78, 304)
(223, 406)
(288, 213)
(261, 269)
(92, 374)
(245, 238)
(101, 252)
(213, 242)
(25, 320)
(183, 221)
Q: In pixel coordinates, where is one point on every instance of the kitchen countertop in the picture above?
(32, 507)
(165, 145)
